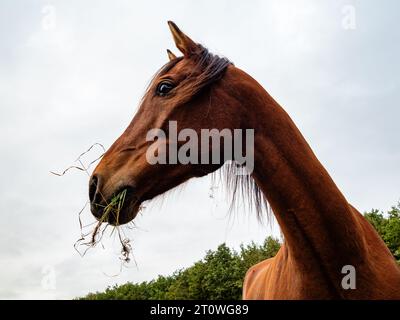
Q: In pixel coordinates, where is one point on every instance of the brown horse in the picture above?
(323, 233)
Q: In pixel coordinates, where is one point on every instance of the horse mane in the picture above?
(209, 68)
(244, 193)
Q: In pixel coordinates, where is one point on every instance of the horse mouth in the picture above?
(121, 208)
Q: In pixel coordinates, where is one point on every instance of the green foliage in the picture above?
(388, 228)
(220, 274)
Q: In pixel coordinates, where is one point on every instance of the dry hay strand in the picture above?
(113, 208)
(91, 238)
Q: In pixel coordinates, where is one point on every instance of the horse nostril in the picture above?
(93, 183)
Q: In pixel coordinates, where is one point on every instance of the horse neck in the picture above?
(318, 224)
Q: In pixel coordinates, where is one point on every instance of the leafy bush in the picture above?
(220, 274)
(388, 228)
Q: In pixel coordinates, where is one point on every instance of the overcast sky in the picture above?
(72, 73)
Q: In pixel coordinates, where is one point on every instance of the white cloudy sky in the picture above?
(66, 85)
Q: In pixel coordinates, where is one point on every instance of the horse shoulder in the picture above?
(253, 288)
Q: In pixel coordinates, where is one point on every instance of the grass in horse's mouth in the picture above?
(112, 209)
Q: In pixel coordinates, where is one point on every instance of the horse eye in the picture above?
(164, 87)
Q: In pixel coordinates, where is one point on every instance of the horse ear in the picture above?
(171, 56)
(186, 45)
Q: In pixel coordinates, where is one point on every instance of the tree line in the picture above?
(219, 275)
